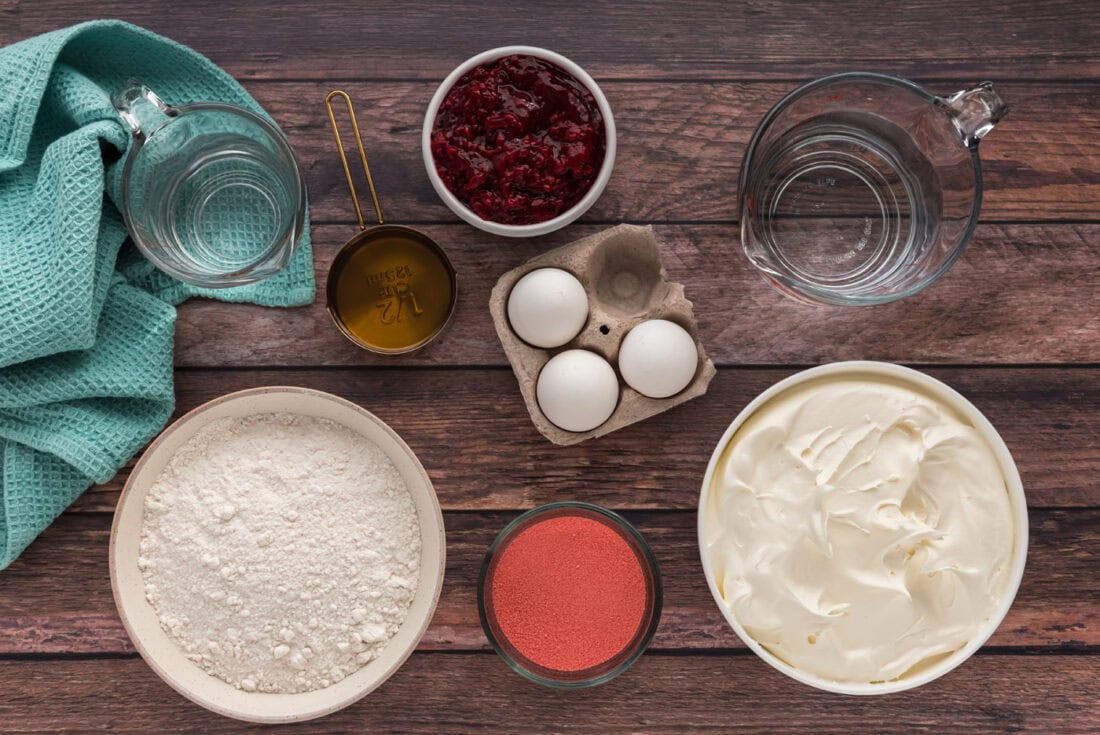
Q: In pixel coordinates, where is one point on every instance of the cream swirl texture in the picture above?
(859, 530)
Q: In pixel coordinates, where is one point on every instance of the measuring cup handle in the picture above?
(975, 111)
(344, 158)
(142, 109)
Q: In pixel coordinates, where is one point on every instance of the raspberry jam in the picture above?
(518, 140)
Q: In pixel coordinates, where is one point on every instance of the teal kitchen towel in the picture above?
(86, 323)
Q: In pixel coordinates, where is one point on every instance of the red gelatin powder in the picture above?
(568, 593)
(518, 140)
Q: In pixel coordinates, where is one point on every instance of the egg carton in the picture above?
(621, 271)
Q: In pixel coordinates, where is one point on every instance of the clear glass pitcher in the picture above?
(861, 188)
(212, 193)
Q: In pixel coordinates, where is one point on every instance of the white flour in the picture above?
(280, 552)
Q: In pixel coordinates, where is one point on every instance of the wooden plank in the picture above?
(1021, 295)
(1018, 295)
(764, 39)
(461, 423)
(57, 597)
(450, 693)
(681, 146)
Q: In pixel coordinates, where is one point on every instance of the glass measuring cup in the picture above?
(859, 188)
(212, 193)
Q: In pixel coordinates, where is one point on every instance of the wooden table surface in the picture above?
(1015, 326)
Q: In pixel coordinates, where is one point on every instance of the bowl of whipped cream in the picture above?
(862, 527)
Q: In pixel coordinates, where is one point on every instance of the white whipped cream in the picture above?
(859, 530)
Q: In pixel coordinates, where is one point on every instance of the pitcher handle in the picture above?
(142, 109)
(975, 111)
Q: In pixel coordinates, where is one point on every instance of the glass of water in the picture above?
(859, 188)
(212, 193)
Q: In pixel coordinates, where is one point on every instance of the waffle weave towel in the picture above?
(86, 323)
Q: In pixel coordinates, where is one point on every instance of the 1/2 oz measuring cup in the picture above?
(212, 193)
(859, 188)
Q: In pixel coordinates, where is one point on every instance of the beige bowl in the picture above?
(163, 655)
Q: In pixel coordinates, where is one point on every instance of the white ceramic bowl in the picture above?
(965, 408)
(166, 658)
(549, 225)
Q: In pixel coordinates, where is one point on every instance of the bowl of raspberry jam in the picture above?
(519, 141)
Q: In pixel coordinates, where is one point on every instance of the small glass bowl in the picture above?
(618, 663)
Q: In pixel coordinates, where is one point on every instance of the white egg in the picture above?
(658, 358)
(547, 307)
(577, 390)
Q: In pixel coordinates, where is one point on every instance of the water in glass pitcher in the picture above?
(849, 201)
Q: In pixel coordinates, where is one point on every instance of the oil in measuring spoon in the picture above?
(392, 293)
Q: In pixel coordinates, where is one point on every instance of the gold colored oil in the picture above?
(391, 289)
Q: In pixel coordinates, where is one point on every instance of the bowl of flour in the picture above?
(277, 554)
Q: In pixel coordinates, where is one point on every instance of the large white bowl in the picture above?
(166, 658)
(950, 397)
(540, 228)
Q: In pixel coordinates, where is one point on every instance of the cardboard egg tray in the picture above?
(621, 270)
